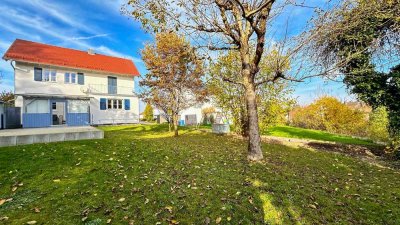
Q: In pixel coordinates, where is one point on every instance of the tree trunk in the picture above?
(175, 125)
(244, 122)
(248, 74)
(254, 148)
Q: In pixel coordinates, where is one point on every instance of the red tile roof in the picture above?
(33, 52)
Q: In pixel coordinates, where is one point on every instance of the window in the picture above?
(78, 106)
(38, 74)
(112, 85)
(54, 105)
(70, 78)
(45, 75)
(119, 104)
(37, 106)
(114, 103)
(73, 78)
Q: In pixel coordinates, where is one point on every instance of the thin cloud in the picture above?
(89, 37)
(60, 13)
(107, 51)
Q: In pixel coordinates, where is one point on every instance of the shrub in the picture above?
(329, 114)
(378, 125)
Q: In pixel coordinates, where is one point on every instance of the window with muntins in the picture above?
(46, 75)
(114, 103)
(70, 78)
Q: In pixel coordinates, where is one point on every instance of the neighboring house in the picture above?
(191, 116)
(62, 86)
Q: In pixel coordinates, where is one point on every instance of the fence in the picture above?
(10, 117)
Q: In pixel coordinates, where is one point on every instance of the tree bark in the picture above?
(244, 121)
(248, 73)
(175, 125)
(254, 148)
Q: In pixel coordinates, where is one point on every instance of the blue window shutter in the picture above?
(103, 104)
(81, 79)
(127, 104)
(38, 74)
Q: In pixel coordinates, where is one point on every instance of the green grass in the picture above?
(143, 175)
(296, 132)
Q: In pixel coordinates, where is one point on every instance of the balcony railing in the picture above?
(109, 89)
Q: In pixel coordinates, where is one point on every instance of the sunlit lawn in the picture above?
(296, 132)
(142, 175)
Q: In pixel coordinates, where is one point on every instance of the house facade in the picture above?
(191, 116)
(58, 86)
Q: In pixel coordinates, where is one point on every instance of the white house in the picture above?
(58, 86)
(190, 116)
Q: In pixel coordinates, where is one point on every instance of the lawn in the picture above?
(296, 132)
(143, 175)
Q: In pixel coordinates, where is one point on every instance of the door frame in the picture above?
(54, 100)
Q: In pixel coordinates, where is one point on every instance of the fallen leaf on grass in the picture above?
(56, 180)
(31, 222)
(109, 221)
(14, 189)
(37, 210)
(169, 208)
(3, 218)
(2, 201)
(121, 199)
(218, 220)
(173, 222)
(312, 206)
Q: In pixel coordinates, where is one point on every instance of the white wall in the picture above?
(195, 110)
(111, 116)
(25, 83)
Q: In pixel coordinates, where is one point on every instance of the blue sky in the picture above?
(99, 25)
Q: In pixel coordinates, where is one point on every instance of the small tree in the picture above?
(174, 81)
(7, 97)
(148, 113)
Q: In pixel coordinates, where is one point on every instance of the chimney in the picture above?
(90, 51)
